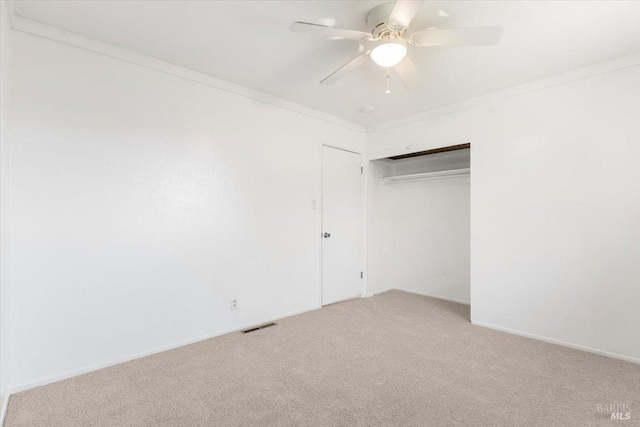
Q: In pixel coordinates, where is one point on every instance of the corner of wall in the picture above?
(5, 69)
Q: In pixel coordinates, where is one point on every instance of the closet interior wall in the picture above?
(420, 229)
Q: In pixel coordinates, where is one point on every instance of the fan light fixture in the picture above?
(386, 41)
(389, 54)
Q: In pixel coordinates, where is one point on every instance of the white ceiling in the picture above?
(249, 43)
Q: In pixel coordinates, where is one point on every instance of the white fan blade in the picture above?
(408, 73)
(477, 36)
(347, 68)
(323, 30)
(403, 12)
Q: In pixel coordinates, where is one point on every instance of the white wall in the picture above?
(6, 60)
(420, 230)
(555, 204)
(143, 202)
(380, 226)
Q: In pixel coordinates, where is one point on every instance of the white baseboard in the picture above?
(377, 292)
(424, 294)
(558, 342)
(5, 404)
(76, 372)
(529, 335)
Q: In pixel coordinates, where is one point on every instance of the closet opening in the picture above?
(420, 223)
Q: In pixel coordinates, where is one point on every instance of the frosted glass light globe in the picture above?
(389, 54)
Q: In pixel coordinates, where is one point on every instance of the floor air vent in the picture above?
(257, 328)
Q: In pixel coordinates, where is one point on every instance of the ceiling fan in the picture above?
(388, 24)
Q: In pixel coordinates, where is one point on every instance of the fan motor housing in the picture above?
(378, 22)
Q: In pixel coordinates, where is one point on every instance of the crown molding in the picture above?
(29, 26)
(547, 82)
(39, 29)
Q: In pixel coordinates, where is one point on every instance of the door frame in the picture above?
(363, 218)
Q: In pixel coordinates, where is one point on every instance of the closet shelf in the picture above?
(426, 175)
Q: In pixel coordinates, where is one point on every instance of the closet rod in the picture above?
(426, 175)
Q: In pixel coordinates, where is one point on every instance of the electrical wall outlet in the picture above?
(234, 303)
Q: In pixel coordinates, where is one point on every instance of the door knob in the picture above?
(327, 235)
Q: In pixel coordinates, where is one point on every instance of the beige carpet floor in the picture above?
(395, 359)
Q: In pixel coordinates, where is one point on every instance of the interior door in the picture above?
(341, 225)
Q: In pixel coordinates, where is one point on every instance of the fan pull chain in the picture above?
(388, 82)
